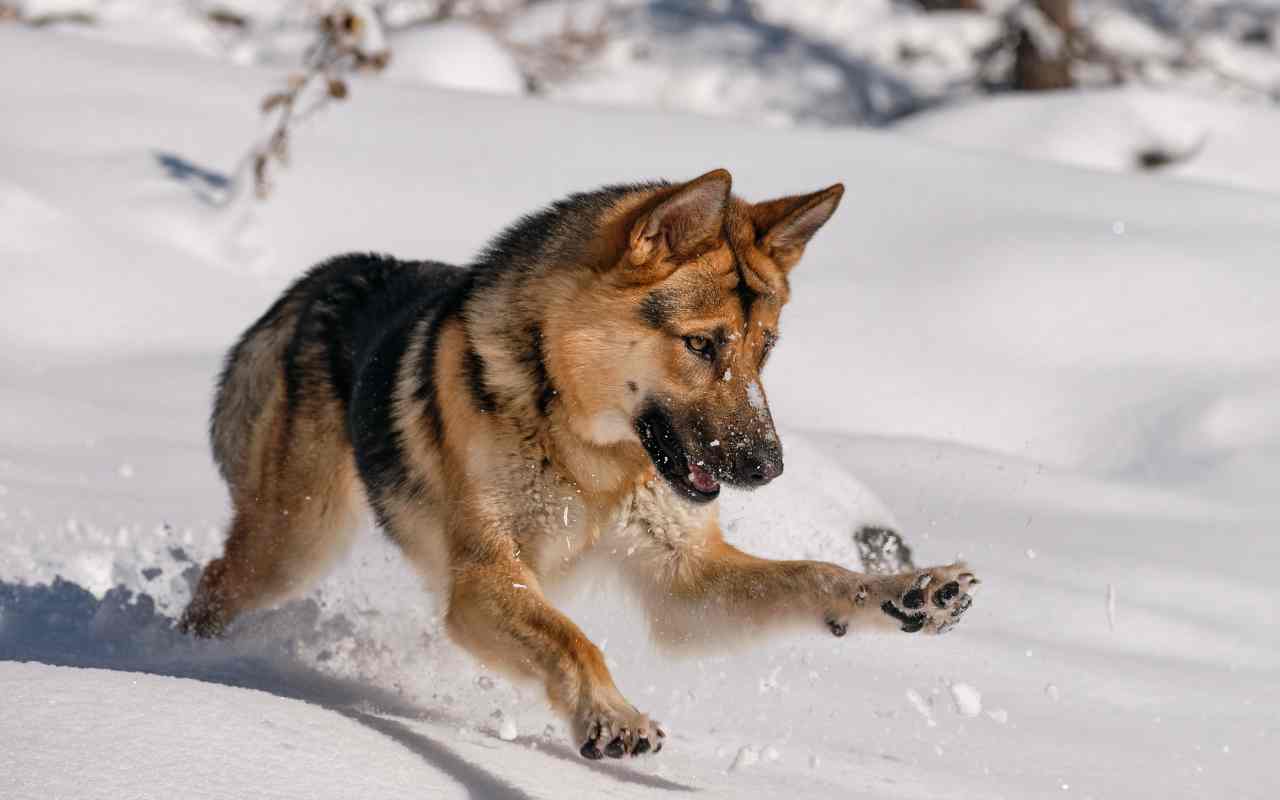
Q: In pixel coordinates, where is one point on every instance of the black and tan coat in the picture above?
(589, 381)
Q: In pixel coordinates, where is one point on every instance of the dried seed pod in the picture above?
(274, 100)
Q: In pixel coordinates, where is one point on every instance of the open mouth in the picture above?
(672, 460)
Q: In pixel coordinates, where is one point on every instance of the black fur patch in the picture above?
(534, 359)
(656, 309)
(473, 363)
(336, 294)
(379, 344)
(746, 296)
(378, 448)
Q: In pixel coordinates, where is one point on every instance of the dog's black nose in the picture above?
(758, 467)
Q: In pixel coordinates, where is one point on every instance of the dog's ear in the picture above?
(787, 224)
(690, 216)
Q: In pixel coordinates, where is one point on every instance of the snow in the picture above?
(101, 733)
(1128, 36)
(1109, 129)
(975, 355)
(454, 55)
(746, 757)
(967, 699)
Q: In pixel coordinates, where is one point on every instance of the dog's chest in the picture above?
(569, 524)
(562, 524)
(566, 531)
(657, 515)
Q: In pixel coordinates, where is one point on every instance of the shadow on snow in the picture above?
(63, 624)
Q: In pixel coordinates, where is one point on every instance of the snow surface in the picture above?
(999, 358)
(454, 55)
(1222, 142)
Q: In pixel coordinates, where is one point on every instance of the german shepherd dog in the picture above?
(588, 383)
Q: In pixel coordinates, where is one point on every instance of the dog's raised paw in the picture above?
(931, 600)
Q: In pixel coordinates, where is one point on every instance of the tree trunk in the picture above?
(1039, 66)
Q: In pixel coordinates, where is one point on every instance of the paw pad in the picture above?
(917, 609)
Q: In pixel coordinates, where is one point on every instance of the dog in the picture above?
(591, 380)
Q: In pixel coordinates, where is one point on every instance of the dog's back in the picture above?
(341, 310)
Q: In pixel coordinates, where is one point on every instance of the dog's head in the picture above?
(670, 337)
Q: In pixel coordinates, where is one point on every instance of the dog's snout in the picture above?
(759, 466)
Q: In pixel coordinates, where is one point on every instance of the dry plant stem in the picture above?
(333, 56)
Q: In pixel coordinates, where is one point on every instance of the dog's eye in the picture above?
(701, 346)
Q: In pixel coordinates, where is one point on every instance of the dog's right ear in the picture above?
(691, 216)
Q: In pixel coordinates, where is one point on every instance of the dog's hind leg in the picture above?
(294, 514)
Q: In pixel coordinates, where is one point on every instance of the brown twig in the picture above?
(335, 54)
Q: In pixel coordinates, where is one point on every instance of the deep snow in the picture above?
(1066, 376)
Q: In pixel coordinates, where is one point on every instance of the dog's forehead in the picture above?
(705, 289)
(716, 290)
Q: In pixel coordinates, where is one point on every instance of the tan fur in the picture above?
(294, 514)
(509, 501)
(252, 376)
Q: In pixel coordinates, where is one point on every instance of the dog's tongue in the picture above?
(702, 480)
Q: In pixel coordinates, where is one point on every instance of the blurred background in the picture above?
(934, 66)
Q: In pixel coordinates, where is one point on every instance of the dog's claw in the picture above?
(615, 738)
(591, 748)
(615, 749)
(913, 598)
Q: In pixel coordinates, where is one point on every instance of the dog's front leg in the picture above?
(710, 590)
(498, 612)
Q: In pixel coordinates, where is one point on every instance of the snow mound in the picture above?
(124, 731)
(453, 55)
(1118, 130)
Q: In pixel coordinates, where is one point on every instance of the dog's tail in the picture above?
(251, 372)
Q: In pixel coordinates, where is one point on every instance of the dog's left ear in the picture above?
(787, 224)
(686, 217)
